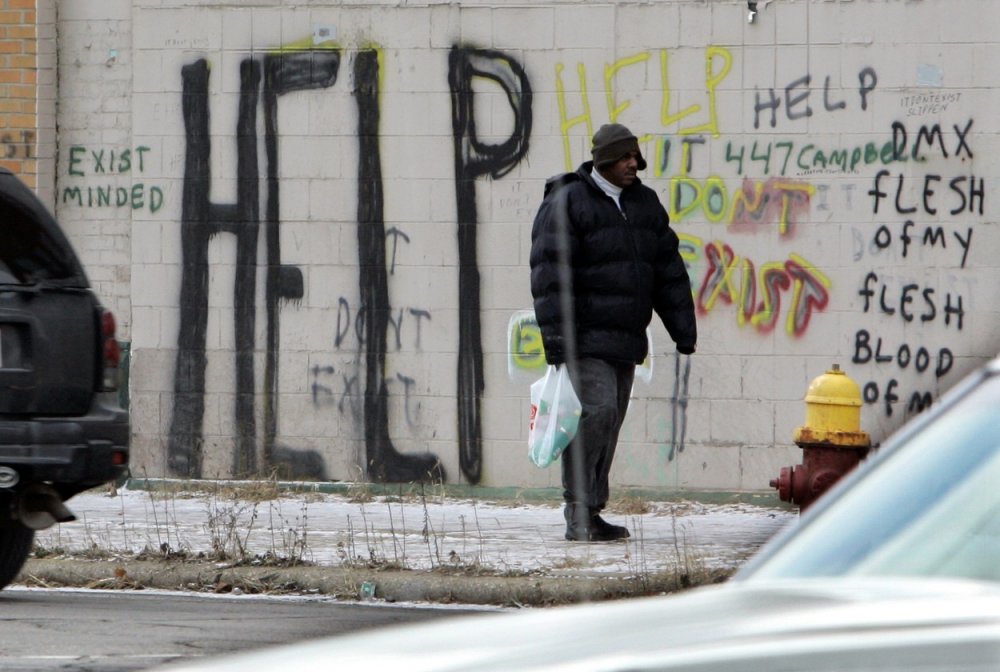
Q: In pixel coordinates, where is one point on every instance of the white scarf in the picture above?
(608, 188)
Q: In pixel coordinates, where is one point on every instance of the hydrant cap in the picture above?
(834, 388)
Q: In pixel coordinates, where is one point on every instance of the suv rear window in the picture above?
(34, 250)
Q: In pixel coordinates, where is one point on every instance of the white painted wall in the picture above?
(690, 77)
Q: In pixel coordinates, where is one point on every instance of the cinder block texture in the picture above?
(319, 218)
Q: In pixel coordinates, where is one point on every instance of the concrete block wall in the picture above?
(97, 167)
(314, 220)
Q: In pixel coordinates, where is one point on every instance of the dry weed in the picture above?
(629, 506)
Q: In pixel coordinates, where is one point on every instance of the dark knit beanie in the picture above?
(612, 142)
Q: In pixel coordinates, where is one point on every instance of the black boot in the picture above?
(606, 530)
(577, 522)
(590, 526)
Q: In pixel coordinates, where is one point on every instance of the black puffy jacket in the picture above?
(622, 268)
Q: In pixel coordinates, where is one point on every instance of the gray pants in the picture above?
(604, 390)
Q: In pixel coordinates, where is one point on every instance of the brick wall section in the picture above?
(19, 88)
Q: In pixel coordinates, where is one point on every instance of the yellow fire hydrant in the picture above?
(832, 442)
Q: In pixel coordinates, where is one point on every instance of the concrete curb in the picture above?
(345, 583)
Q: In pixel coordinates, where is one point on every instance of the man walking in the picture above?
(603, 258)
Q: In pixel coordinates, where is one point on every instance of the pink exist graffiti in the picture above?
(734, 280)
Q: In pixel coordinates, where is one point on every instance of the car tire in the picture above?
(15, 545)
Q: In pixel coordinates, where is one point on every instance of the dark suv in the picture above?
(62, 429)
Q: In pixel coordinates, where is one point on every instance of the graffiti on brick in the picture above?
(18, 145)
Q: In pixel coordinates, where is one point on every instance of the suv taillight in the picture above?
(111, 352)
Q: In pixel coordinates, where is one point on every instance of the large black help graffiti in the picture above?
(475, 158)
(264, 79)
(385, 463)
(285, 72)
(200, 221)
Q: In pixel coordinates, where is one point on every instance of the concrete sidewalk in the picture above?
(413, 545)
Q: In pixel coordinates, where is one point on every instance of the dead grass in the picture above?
(239, 510)
(262, 490)
(629, 506)
(360, 493)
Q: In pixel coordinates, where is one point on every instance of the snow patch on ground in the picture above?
(333, 529)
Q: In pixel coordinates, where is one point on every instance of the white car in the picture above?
(897, 568)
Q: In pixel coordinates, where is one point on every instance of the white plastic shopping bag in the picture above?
(555, 416)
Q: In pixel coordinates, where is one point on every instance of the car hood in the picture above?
(829, 624)
(34, 248)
